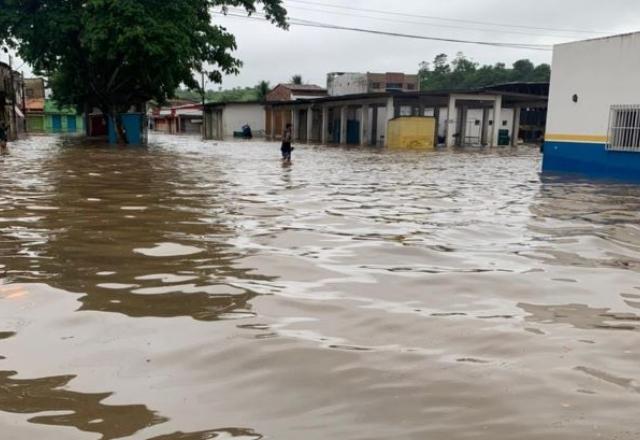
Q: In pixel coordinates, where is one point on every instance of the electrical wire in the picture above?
(448, 26)
(457, 20)
(307, 23)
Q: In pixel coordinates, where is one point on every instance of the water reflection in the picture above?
(97, 219)
(236, 433)
(581, 316)
(401, 288)
(85, 412)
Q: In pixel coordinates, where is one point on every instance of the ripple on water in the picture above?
(169, 250)
(187, 290)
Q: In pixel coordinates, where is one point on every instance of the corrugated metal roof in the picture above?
(303, 87)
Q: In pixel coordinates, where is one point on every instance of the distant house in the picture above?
(276, 116)
(34, 112)
(224, 119)
(34, 88)
(61, 119)
(345, 83)
(177, 119)
(291, 92)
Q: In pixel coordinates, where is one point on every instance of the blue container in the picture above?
(133, 124)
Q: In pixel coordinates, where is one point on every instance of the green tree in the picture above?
(542, 73)
(296, 79)
(262, 89)
(116, 54)
(463, 73)
(523, 70)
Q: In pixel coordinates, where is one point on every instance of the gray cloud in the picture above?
(274, 55)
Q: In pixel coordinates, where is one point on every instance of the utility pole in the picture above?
(14, 116)
(24, 105)
(204, 115)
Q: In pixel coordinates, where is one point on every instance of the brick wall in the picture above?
(280, 93)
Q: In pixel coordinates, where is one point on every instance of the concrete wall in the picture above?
(234, 116)
(339, 84)
(602, 72)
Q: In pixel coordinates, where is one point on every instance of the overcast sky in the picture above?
(275, 55)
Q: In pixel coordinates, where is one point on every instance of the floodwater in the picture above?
(191, 291)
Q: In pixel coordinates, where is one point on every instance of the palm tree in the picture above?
(296, 79)
(263, 89)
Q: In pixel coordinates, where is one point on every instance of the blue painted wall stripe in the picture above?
(591, 159)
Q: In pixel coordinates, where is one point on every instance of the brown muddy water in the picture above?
(193, 291)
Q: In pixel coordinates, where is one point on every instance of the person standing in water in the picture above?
(286, 148)
(4, 135)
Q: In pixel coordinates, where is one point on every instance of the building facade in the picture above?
(275, 117)
(59, 119)
(226, 119)
(593, 124)
(457, 118)
(345, 83)
(11, 100)
(177, 119)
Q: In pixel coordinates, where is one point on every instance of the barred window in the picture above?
(624, 128)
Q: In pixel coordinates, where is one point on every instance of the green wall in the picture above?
(35, 123)
(50, 125)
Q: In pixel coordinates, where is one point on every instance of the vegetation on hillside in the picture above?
(463, 73)
(241, 94)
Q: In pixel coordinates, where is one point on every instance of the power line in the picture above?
(396, 20)
(314, 24)
(457, 20)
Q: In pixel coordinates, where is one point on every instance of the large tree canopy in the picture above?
(113, 54)
(463, 73)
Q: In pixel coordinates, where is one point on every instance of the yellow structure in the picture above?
(411, 132)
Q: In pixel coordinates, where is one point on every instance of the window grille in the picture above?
(624, 128)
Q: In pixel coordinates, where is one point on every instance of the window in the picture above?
(411, 86)
(624, 128)
(29, 93)
(377, 86)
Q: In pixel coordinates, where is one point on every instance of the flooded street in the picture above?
(193, 291)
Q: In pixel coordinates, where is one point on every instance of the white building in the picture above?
(593, 121)
(224, 119)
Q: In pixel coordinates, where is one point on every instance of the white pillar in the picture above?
(391, 113)
(516, 126)
(484, 136)
(325, 126)
(364, 126)
(464, 111)
(497, 120)
(309, 124)
(451, 122)
(343, 125)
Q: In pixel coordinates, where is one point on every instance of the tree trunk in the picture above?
(115, 120)
(120, 131)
